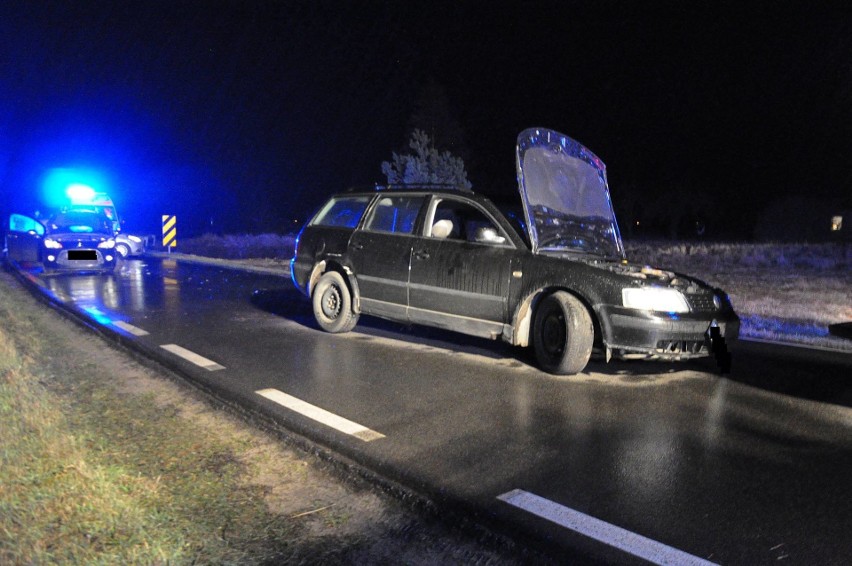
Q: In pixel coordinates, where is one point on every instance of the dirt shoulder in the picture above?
(207, 486)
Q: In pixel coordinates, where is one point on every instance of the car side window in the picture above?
(342, 212)
(394, 214)
(456, 220)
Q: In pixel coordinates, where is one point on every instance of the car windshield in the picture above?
(565, 195)
(80, 223)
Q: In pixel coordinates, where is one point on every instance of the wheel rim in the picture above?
(553, 334)
(331, 302)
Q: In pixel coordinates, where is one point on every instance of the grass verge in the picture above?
(90, 474)
(241, 246)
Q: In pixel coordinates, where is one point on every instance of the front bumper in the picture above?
(664, 335)
(79, 259)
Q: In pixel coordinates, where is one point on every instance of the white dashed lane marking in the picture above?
(129, 328)
(637, 545)
(320, 415)
(189, 356)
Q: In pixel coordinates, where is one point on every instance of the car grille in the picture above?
(674, 347)
(701, 302)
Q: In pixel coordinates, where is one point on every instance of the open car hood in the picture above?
(565, 196)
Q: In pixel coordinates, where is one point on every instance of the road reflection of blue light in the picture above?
(95, 295)
(98, 315)
(134, 278)
(53, 295)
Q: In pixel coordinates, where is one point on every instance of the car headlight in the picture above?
(654, 299)
(107, 244)
(52, 244)
(136, 239)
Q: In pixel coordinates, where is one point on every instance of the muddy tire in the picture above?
(332, 303)
(563, 334)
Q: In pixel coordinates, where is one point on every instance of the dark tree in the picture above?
(433, 115)
(426, 165)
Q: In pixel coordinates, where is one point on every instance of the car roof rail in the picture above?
(416, 186)
(403, 187)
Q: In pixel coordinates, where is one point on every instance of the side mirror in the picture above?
(487, 235)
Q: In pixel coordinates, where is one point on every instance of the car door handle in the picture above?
(421, 254)
(358, 246)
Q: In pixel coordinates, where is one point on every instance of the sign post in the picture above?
(169, 232)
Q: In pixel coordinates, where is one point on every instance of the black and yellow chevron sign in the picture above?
(169, 231)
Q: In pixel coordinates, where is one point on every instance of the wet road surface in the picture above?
(751, 468)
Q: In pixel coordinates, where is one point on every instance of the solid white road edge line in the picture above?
(130, 328)
(637, 545)
(189, 356)
(320, 415)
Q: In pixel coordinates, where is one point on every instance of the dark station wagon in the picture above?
(556, 279)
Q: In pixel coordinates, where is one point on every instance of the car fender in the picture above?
(349, 276)
(352, 281)
(522, 321)
(316, 273)
(523, 317)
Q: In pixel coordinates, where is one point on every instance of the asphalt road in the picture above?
(669, 462)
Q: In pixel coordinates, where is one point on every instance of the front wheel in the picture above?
(123, 250)
(332, 303)
(563, 334)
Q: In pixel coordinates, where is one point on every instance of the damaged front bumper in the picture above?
(671, 336)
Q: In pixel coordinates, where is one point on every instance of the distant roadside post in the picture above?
(169, 232)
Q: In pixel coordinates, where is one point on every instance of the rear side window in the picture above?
(342, 212)
(394, 214)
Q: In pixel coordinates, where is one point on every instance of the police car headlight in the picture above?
(52, 244)
(107, 244)
(654, 299)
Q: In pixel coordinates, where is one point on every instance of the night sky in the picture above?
(241, 116)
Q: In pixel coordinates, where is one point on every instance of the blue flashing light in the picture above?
(75, 184)
(674, 316)
(80, 193)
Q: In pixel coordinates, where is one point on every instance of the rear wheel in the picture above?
(563, 334)
(332, 303)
